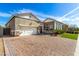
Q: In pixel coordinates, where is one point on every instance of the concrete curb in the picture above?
(76, 53)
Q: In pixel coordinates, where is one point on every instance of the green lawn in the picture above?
(70, 36)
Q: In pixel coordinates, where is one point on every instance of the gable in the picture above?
(51, 20)
(29, 16)
(19, 22)
(48, 20)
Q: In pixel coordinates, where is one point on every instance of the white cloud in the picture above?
(2, 14)
(71, 21)
(42, 16)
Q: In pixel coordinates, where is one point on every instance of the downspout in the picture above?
(54, 25)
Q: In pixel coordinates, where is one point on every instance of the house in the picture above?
(23, 24)
(50, 24)
(28, 24)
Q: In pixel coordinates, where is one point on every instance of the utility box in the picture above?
(1, 31)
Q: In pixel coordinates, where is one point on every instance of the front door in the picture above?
(40, 29)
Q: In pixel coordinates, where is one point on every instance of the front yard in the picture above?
(70, 36)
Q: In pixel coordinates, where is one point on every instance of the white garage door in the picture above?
(28, 31)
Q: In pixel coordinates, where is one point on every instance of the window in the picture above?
(51, 27)
(30, 16)
(46, 27)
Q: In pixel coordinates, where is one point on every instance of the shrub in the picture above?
(59, 31)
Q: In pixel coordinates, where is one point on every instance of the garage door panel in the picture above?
(29, 32)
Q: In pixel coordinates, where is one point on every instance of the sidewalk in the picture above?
(77, 48)
(1, 48)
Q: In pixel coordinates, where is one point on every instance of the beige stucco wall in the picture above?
(19, 21)
(23, 24)
(28, 16)
(1, 31)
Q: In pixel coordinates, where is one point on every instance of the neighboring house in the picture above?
(51, 24)
(1, 31)
(23, 24)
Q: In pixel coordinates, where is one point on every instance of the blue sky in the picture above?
(41, 10)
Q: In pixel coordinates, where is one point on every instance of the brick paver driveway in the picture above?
(39, 45)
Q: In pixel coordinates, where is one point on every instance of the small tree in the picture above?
(73, 28)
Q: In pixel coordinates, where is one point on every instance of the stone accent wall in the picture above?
(11, 25)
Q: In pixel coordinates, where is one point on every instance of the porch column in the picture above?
(42, 27)
(55, 25)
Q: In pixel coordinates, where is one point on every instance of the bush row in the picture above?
(59, 31)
